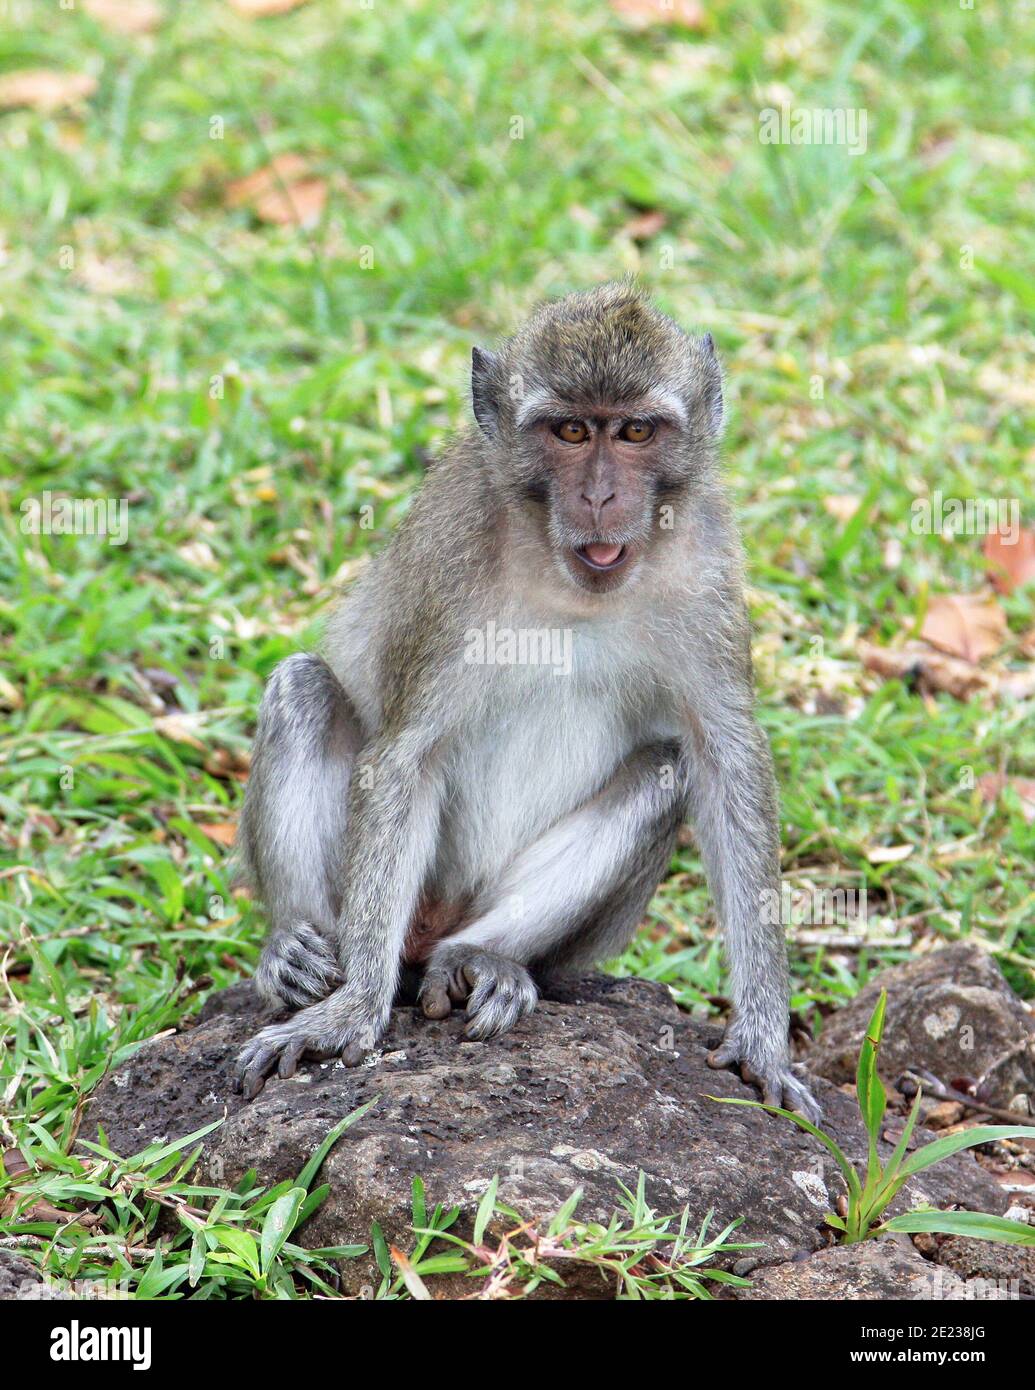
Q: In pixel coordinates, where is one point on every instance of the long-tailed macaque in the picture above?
(517, 705)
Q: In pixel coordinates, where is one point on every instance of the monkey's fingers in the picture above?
(441, 989)
(434, 996)
(725, 1055)
(256, 1063)
(792, 1094)
(290, 1058)
(503, 994)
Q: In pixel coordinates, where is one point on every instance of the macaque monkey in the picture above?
(519, 702)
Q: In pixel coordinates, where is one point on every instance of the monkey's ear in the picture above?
(713, 401)
(484, 395)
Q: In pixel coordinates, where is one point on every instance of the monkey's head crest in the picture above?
(605, 345)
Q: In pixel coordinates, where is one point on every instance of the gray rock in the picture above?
(871, 1269)
(950, 1012)
(606, 1078)
(1010, 1267)
(21, 1280)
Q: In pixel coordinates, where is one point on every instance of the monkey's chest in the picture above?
(537, 758)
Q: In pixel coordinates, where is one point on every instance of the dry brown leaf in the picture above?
(45, 89)
(889, 854)
(642, 14)
(10, 696)
(1010, 566)
(229, 762)
(992, 785)
(282, 193)
(223, 832)
(842, 506)
(259, 9)
(15, 1163)
(125, 16)
(964, 625)
(932, 670)
(946, 1113)
(1018, 685)
(287, 168)
(646, 225)
(180, 728)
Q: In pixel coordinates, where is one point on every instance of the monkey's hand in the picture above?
(297, 967)
(347, 1024)
(780, 1081)
(498, 992)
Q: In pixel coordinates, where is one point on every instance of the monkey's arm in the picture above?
(734, 808)
(392, 821)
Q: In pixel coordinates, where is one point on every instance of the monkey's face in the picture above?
(601, 415)
(595, 477)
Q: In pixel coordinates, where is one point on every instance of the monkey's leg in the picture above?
(569, 898)
(733, 802)
(293, 826)
(392, 823)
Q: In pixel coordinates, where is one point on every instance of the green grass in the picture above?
(253, 389)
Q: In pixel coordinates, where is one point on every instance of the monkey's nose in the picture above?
(596, 500)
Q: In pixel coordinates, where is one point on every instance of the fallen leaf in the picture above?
(1010, 565)
(125, 16)
(227, 762)
(964, 625)
(223, 832)
(889, 854)
(15, 1163)
(641, 14)
(10, 696)
(944, 1114)
(930, 669)
(1018, 685)
(646, 225)
(843, 506)
(179, 728)
(282, 193)
(259, 9)
(992, 785)
(45, 89)
(199, 554)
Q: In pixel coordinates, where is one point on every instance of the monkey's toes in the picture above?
(441, 988)
(725, 1055)
(434, 999)
(254, 1064)
(502, 994)
(789, 1093)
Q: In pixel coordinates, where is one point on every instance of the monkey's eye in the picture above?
(571, 431)
(636, 431)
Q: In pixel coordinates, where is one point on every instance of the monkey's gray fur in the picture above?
(536, 810)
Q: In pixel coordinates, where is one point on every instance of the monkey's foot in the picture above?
(339, 1026)
(781, 1085)
(498, 992)
(298, 967)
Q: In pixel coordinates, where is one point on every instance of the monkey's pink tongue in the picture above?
(602, 554)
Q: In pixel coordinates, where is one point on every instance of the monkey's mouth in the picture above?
(603, 556)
